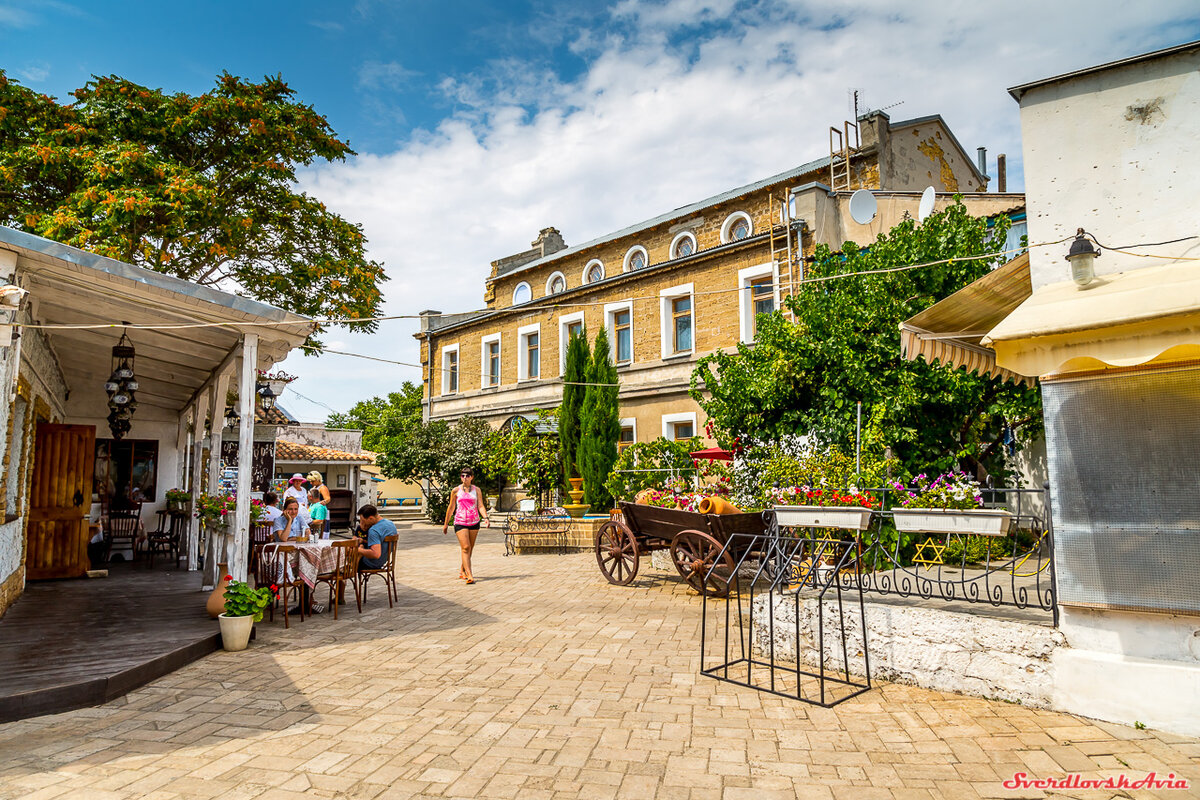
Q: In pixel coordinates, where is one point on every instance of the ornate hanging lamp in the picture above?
(121, 388)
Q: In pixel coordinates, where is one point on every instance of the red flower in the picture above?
(228, 577)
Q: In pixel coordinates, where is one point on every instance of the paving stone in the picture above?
(539, 681)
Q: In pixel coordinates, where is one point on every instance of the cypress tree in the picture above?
(601, 423)
(569, 429)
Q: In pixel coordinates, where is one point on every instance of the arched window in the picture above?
(683, 245)
(737, 226)
(636, 258)
(556, 283)
(522, 294)
(594, 271)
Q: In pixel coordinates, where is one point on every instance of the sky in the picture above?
(477, 123)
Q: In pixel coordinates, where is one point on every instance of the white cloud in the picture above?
(384, 75)
(667, 113)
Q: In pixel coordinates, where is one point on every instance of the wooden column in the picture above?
(239, 559)
(193, 542)
(214, 552)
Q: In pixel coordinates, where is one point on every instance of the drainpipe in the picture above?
(981, 157)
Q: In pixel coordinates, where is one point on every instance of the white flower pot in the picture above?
(977, 521)
(235, 631)
(277, 387)
(851, 518)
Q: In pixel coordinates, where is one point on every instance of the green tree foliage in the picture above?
(527, 457)
(383, 419)
(436, 452)
(652, 465)
(199, 187)
(844, 346)
(569, 430)
(601, 426)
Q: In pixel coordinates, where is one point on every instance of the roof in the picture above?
(1018, 91)
(293, 452)
(951, 330)
(682, 211)
(906, 123)
(276, 415)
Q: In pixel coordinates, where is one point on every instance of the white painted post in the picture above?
(239, 559)
(193, 544)
(214, 551)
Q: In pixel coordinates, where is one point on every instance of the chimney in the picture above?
(549, 241)
(981, 157)
(426, 319)
(1002, 173)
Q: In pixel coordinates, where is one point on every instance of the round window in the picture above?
(740, 229)
(637, 260)
(596, 273)
(685, 247)
(522, 294)
(558, 284)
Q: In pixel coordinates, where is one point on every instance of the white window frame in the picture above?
(550, 280)
(610, 325)
(637, 248)
(629, 422)
(483, 361)
(517, 288)
(446, 351)
(746, 300)
(680, 237)
(563, 340)
(666, 329)
(588, 268)
(727, 226)
(523, 352)
(669, 421)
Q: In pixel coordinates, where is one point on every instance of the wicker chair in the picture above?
(344, 571)
(387, 573)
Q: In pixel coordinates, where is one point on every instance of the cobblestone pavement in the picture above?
(540, 681)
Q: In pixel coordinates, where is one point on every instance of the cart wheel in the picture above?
(617, 553)
(694, 553)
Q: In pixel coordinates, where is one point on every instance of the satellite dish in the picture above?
(863, 206)
(928, 197)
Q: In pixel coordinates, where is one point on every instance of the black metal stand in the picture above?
(776, 570)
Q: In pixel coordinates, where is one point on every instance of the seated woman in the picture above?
(294, 522)
(318, 512)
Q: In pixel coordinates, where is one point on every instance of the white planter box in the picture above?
(851, 518)
(979, 521)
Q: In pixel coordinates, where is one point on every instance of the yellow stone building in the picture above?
(681, 285)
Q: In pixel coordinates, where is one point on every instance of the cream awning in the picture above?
(1122, 320)
(951, 330)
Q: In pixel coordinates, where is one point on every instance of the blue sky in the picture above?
(479, 123)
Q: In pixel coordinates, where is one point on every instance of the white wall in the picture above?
(1113, 153)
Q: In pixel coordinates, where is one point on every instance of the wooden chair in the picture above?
(344, 571)
(276, 565)
(387, 573)
(261, 534)
(123, 526)
(168, 541)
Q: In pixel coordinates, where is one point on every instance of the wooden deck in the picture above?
(72, 643)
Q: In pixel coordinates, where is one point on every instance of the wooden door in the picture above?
(56, 537)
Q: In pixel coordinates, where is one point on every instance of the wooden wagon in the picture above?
(696, 542)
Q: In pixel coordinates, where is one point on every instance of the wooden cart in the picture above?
(696, 542)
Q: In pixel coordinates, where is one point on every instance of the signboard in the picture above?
(262, 464)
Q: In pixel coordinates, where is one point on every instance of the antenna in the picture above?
(928, 198)
(863, 206)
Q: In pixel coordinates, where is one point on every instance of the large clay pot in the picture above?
(717, 505)
(235, 631)
(216, 601)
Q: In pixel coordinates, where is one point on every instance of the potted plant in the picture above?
(243, 607)
(277, 380)
(178, 501)
(808, 507)
(950, 503)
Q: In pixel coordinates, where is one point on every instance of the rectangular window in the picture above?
(529, 352)
(623, 337)
(681, 325)
(452, 370)
(627, 437)
(679, 426)
(682, 430)
(759, 294)
(127, 470)
(762, 298)
(568, 325)
(492, 375)
(574, 329)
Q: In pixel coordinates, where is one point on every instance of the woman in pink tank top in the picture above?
(467, 509)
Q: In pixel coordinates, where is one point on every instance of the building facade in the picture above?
(674, 288)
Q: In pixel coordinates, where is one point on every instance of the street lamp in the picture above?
(232, 417)
(1082, 258)
(266, 397)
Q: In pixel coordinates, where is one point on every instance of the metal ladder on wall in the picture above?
(786, 256)
(840, 151)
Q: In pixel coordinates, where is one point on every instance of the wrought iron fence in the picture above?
(1016, 569)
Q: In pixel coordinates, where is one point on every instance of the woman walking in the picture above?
(466, 508)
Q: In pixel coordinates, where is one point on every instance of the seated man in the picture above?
(372, 528)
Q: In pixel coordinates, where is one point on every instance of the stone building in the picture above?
(681, 285)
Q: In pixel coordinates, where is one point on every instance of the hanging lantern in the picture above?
(120, 387)
(232, 417)
(266, 397)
